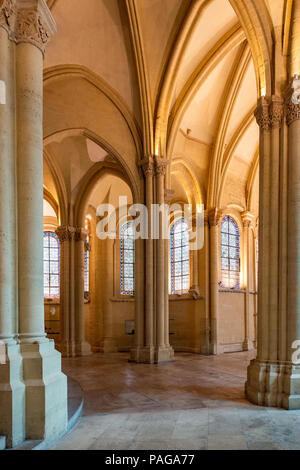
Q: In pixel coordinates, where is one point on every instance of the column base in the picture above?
(46, 391)
(83, 349)
(152, 355)
(142, 355)
(109, 345)
(274, 384)
(12, 395)
(67, 349)
(163, 354)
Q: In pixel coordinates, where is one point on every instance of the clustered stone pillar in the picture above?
(109, 343)
(274, 376)
(248, 220)
(82, 347)
(156, 347)
(214, 217)
(73, 342)
(163, 351)
(67, 327)
(35, 406)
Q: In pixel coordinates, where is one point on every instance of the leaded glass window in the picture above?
(180, 258)
(51, 265)
(230, 253)
(127, 259)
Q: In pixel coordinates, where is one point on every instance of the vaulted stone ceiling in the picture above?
(183, 69)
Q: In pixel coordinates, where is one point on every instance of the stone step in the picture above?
(2, 442)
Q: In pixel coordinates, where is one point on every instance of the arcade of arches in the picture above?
(162, 101)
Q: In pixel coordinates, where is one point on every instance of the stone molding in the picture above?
(28, 21)
(65, 233)
(269, 113)
(292, 101)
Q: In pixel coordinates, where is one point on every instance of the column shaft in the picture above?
(160, 263)
(214, 278)
(82, 347)
(12, 389)
(29, 73)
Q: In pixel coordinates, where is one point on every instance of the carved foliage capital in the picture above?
(262, 115)
(147, 165)
(269, 114)
(292, 101)
(8, 14)
(27, 21)
(160, 166)
(65, 233)
(292, 112)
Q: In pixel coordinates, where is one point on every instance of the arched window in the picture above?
(127, 259)
(180, 258)
(230, 253)
(51, 265)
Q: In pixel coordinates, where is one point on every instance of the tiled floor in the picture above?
(195, 402)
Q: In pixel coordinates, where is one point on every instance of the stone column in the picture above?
(214, 216)
(109, 343)
(205, 348)
(247, 219)
(46, 386)
(169, 193)
(163, 352)
(291, 386)
(12, 389)
(143, 350)
(82, 347)
(66, 236)
(274, 376)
